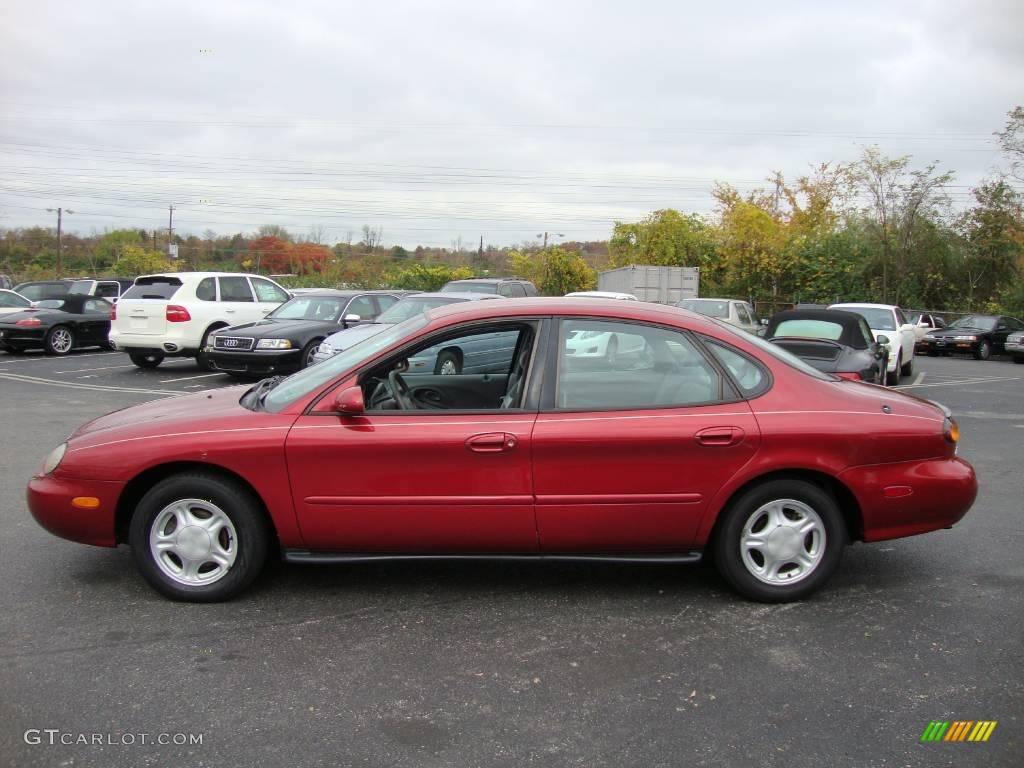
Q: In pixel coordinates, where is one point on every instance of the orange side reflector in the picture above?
(85, 502)
(897, 491)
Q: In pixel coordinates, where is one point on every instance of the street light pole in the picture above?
(60, 261)
(545, 236)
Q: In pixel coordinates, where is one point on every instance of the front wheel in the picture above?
(780, 541)
(309, 352)
(146, 359)
(448, 364)
(199, 537)
(893, 378)
(984, 351)
(59, 341)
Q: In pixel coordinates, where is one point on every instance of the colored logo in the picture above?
(959, 730)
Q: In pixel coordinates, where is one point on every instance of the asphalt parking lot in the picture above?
(511, 664)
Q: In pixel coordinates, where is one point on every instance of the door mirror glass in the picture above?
(351, 319)
(349, 401)
(883, 339)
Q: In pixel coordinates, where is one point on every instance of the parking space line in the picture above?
(991, 380)
(189, 378)
(93, 387)
(918, 380)
(89, 370)
(47, 358)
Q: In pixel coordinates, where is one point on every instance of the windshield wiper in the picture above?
(255, 395)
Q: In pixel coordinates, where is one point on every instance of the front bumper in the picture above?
(912, 497)
(49, 501)
(947, 345)
(260, 362)
(22, 337)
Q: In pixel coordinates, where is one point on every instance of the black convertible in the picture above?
(832, 340)
(57, 325)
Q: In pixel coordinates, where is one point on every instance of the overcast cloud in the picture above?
(441, 120)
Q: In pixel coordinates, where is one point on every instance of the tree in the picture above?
(111, 248)
(275, 230)
(136, 260)
(993, 232)
(1011, 141)
(371, 237)
(666, 237)
(564, 272)
(425, 277)
(270, 253)
(307, 258)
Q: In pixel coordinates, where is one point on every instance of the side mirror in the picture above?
(350, 401)
(883, 339)
(350, 319)
(763, 321)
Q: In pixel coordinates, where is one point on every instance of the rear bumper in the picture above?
(912, 497)
(180, 343)
(49, 501)
(22, 337)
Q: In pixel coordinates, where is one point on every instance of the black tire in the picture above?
(932, 353)
(307, 353)
(984, 350)
(1018, 360)
(892, 379)
(201, 359)
(828, 540)
(908, 367)
(247, 545)
(60, 340)
(448, 362)
(611, 354)
(146, 359)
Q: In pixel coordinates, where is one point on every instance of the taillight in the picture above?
(951, 430)
(29, 322)
(113, 313)
(851, 375)
(177, 314)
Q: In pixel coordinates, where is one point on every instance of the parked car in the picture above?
(1015, 346)
(603, 295)
(10, 301)
(286, 339)
(411, 306)
(717, 442)
(731, 311)
(107, 288)
(173, 315)
(923, 322)
(57, 325)
(508, 287)
(831, 340)
(889, 321)
(979, 335)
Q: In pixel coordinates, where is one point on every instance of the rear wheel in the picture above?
(780, 541)
(59, 341)
(984, 351)
(448, 364)
(199, 537)
(146, 359)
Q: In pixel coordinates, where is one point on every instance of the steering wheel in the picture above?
(400, 391)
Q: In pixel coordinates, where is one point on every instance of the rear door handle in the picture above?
(492, 442)
(719, 436)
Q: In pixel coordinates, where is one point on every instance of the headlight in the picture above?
(54, 459)
(965, 338)
(929, 337)
(274, 344)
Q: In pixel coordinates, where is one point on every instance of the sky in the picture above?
(450, 121)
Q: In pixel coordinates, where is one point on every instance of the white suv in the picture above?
(171, 315)
(731, 311)
(889, 321)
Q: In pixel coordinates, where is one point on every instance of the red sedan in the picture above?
(690, 438)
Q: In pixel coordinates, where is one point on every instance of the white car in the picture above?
(731, 311)
(607, 345)
(172, 315)
(889, 321)
(603, 295)
(12, 302)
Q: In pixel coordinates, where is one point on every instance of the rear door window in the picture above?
(159, 287)
(235, 289)
(267, 292)
(207, 289)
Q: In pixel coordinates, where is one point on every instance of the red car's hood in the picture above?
(200, 406)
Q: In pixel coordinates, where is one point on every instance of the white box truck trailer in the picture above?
(663, 285)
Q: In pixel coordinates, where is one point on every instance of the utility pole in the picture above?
(60, 260)
(545, 236)
(154, 239)
(170, 225)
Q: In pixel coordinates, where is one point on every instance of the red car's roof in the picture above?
(560, 305)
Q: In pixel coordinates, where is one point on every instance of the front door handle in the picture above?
(492, 442)
(719, 436)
